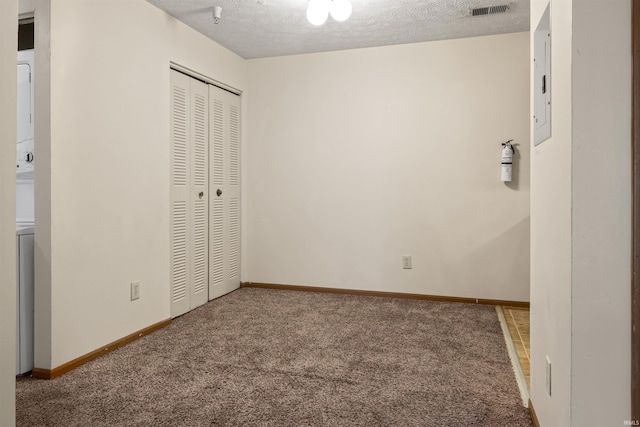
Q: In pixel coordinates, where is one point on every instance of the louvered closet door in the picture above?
(199, 192)
(188, 196)
(224, 205)
(180, 217)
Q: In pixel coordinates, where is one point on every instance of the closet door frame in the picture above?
(231, 281)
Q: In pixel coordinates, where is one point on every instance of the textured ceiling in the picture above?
(263, 28)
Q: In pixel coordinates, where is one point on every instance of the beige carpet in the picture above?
(282, 358)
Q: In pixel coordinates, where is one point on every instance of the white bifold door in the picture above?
(224, 187)
(189, 193)
(205, 192)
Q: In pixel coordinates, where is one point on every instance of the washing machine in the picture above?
(24, 297)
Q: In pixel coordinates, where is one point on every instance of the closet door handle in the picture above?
(201, 194)
(219, 192)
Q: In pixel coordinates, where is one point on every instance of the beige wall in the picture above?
(601, 218)
(358, 157)
(8, 58)
(551, 233)
(42, 127)
(581, 220)
(109, 168)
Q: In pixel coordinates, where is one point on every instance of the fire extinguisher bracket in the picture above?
(508, 144)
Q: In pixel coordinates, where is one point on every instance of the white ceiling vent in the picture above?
(490, 10)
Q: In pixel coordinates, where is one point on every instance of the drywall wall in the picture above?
(356, 158)
(42, 192)
(108, 182)
(8, 87)
(551, 232)
(581, 220)
(26, 8)
(601, 219)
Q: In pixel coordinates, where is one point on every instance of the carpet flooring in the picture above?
(261, 357)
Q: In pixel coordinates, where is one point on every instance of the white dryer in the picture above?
(25, 129)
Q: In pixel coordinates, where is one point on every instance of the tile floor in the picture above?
(518, 322)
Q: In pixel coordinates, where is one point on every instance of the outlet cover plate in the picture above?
(135, 291)
(406, 262)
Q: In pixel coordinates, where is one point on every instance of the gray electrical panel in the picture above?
(542, 79)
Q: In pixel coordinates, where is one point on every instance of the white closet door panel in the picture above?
(179, 248)
(199, 254)
(224, 223)
(234, 141)
(180, 216)
(199, 192)
(233, 191)
(216, 249)
(218, 218)
(234, 243)
(217, 141)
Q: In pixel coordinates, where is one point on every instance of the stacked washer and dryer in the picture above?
(25, 214)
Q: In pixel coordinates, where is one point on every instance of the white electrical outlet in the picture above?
(135, 291)
(548, 376)
(406, 262)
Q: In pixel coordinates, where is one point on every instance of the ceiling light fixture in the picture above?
(319, 10)
(340, 10)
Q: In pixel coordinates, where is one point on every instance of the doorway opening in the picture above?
(25, 206)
